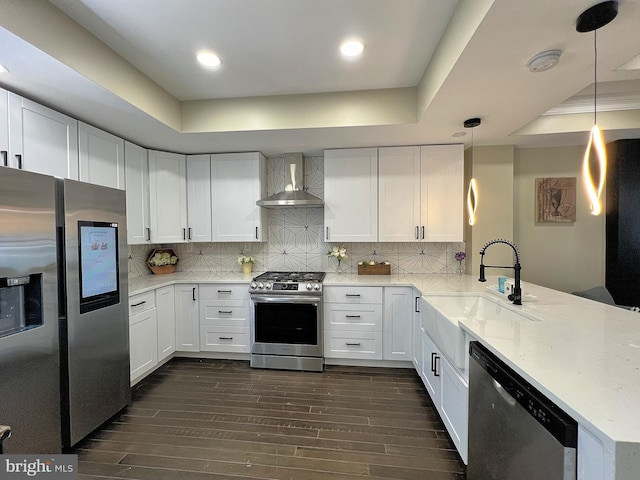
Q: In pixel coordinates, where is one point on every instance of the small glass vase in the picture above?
(339, 269)
(460, 269)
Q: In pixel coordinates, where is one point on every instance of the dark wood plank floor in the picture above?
(218, 419)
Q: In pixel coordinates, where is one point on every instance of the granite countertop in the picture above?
(584, 355)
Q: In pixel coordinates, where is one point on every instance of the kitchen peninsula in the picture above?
(583, 355)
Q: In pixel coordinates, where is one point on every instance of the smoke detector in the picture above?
(544, 61)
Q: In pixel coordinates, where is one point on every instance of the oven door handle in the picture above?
(285, 299)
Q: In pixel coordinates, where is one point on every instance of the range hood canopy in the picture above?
(295, 193)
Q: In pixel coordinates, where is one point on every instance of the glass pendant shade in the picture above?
(594, 169)
(472, 200)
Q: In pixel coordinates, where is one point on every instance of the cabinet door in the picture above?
(351, 195)
(143, 347)
(101, 157)
(442, 184)
(430, 368)
(416, 338)
(199, 198)
(237, 180)
(167, 197)
(396, 323)
(187, 318)
(454, 406)
(165, 305)
(42, 140)
(137, 182)
(399, 194)
(4, 128)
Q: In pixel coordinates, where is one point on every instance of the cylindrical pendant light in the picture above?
(594, 163)
(472, 191)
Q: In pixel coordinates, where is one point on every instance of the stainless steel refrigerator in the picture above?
(64, 345)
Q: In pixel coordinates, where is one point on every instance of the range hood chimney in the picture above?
(295, 193)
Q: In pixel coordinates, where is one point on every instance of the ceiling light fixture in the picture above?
(209, 59)
(594, 163)
(472, 191)
(352, 48)
(544, 61)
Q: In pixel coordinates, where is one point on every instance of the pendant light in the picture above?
(472, 191)
(594, 163)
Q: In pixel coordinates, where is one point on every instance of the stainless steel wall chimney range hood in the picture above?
(295, 193)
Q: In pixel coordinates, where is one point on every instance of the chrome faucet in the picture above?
(516, 296)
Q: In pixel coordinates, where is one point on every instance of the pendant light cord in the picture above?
(595, 78)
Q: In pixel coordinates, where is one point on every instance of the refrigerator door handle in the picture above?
(5, 160)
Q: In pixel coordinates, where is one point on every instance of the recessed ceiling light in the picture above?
(209, 59)
(352, 48)
(3, 69)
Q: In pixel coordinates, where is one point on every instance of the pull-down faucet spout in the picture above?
(516, 296)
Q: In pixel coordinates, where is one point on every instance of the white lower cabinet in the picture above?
(224, 318)
(187, 318)
(143, 333)
(396, 325)
(448, 390)
(353, 322)
(165, 306)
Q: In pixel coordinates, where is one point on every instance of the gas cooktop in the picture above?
(288, 282)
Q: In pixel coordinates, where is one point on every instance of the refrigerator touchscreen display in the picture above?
(99, 285)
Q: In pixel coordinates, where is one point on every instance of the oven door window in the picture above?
(292, 323)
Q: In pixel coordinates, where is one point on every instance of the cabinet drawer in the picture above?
(365, 345)
(141, 302)
(353, 295)
(224, 339)
(237, 291)
(361, 318)
(235, 313)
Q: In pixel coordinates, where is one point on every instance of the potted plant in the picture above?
(246, 262)
(162, 261)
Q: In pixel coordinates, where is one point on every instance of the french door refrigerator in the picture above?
(64, 345)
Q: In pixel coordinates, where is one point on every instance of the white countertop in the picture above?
(584, 355)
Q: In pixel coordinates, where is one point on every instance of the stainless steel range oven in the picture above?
(286, 321)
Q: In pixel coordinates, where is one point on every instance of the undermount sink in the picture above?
(443, 312)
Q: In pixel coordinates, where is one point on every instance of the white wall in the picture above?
(565, 257)
(493, 170)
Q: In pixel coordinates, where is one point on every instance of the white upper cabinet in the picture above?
(167, 197)
(421, 193)
(4, 128)
(137, 187)
(42, 140)
(442, 192)
(351, 195)
(237, 181)
(399, 194)
(101, 157)
(199, 198)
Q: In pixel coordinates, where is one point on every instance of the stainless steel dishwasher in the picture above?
(515, 432)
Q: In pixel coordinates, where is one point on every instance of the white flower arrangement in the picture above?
(160, 259)
(339, 252)
(242, 259)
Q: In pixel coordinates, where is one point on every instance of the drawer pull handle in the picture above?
(225, 311)
(353, 316)
(138, 304)
(224, 291)
(353, 294)
(351, 344)
(225, 338)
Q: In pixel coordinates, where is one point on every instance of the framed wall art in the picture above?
(556, 200)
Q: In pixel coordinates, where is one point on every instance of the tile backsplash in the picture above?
(295, 241)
